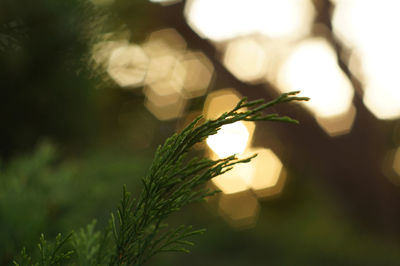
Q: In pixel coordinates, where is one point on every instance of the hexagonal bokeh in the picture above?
(238, 179)
(312, 68)
(127, 65)
(164, 42)
(246, 59)
(377, 58)
(102, 51)
(391, 166)
(240, 210)
(166, 107)
(166, 112)
(264, 174)
(163, 67)
(164, 100)
(338, 125)
(232, 138)
(199, 73)
(382, 94)
(223, 20)
(173, 73)
(269, 176)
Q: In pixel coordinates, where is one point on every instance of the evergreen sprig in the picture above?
(91, 246)
(138, 230)
(172, 182)
(50, 253)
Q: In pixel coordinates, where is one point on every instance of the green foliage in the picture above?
(138, 228)
(174, 182)
(43, 46)
(40, 192)
(91, 246)
(50, 253)
(32, 195)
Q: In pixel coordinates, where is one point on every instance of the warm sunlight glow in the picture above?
(246, 59)
(338, 125)
(164, 100)
(283, 18)
(102, 51)
(369, 29)
(127, 65)
(217, 20)
(221, 20)
(199, 73)
(240, 210)
(264, 174)
(164, 67)
(236, 180)
(312, 68)
(165, 107)
(174, 74)
(233, 138)
(382, 93)
(164, 42)
(267, 169)
(230, 139)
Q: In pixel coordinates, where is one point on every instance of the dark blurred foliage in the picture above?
(47, 88)
(40, 192)
(104, 138)
(42, 92)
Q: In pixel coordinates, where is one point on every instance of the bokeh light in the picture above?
(246, 59)
(268, 176)
(164, 42)
(163, 67)
(391, 166)
(240, 210)
(128, 65)
(102, 50)
(236, 180)
(199, 74)
(226, 19)
(382, 97)
(312, 68)
(264, 174)
(231, 139)
(149, 75)
(396, 162)
(164, 100)
(165, 2)
(340, 124)
(368, 29)
(166, 106)
(169, 73)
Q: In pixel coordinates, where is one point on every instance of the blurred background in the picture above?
(90, 88)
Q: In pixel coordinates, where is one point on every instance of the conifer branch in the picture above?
(173, 182)
(138, 230)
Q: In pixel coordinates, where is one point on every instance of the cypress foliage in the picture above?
(138, 229)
